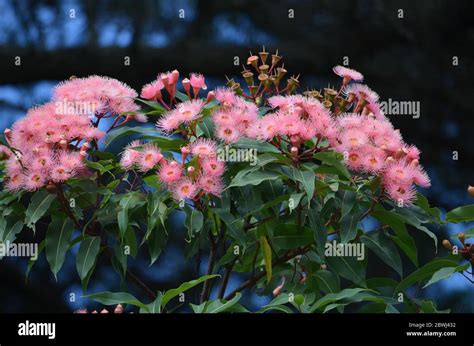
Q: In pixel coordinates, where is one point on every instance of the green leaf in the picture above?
(382, 245)
(12, 230)
(403, 239)
(262, 147)
(267, 256)
(348, 201)
(218, 306)
(332, 158)
(156, 243)
(168, 295)
(86, 255)
(206, 127)
(114, 298)
(288, 236)
(194, 221)
(38, 206)
(424, 273)
(461, 214)
(349, 226)
(127, 131)
(320, 231)
(327, 281)
(306, 178)
(347, 293)
(155, 306)
(57, 242)
(445, 273)
(349, 268)
(253, 178)
(127, 201)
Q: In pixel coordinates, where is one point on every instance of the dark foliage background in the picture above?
(409, 58)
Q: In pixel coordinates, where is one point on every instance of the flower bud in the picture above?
(63, 144)
(324, 266)
(104, 311)
(447, 244)
(191, 170)
(8, 136)
(186, 85)
(294, 151)
(118, 309)
(211, 95)
(248, 76)
(462, 237)
(277, 291)
(470, 190)
(174, 77)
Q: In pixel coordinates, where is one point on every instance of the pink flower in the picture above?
(225, 96)
(183, 189)
(354, 159)
(362, 92)
(185, 112)
(211, 167)
(203, 147)
(347, 73)
(150, 156)
(189, 110)
(103, 94)
(197, 82)
(152, 91)
(60, 173)
(130, 156)
(211, 185)
(34, 180)
(403, 194)
(170, 172)
(228, 134)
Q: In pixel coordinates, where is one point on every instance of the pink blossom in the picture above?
(197, 82)
(203, 147)
(183, 189)
(362, 92)
(152, 91)
(103, 93)
(150, 156)
(212, 167)
(228, 134)
(170, 172)
(348, 73)
(211, 185)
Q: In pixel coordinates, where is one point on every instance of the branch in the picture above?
(252, 281)
(140, 284)
(210, 267)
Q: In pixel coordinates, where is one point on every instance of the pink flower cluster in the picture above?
(183, 113)
(297, 118)
(373, 146)
(101, 94)
(185, 179)
(169, 82)
(41, 147)
(235, 116)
